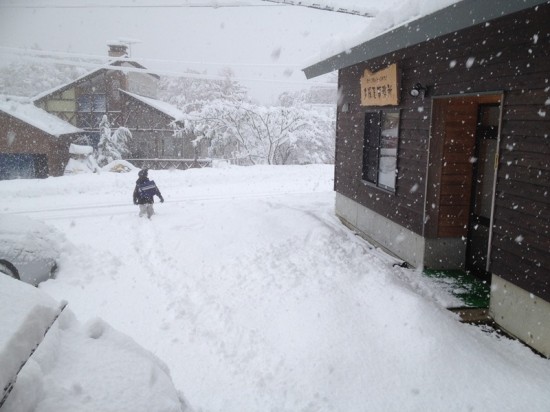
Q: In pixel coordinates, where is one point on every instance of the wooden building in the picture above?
(443, 150)
(126, 93)
(152, 133)
(33, 143)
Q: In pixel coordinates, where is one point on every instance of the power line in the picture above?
(171, 73)
(103, 58)
(130, 6)
(319, 6)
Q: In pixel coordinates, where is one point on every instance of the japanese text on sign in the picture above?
(380, 88)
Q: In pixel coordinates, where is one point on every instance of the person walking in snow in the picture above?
(144, 194)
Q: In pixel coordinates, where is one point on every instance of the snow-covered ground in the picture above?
(77, 367)
(256, 297)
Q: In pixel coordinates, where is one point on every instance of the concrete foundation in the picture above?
(521, 314)
(448, 253)
(517, 311)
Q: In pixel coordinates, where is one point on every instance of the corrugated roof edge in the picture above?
(456, 17)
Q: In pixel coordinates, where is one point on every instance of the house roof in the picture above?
(27, 112)
(166, 108)
(115, 62)
(458, 16)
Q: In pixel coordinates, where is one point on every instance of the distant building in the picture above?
(442, 149)
(127, 94)
(33, 143)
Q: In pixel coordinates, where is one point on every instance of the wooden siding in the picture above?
(152, 135)
(454, 122)
(509, 55)
(30, 140)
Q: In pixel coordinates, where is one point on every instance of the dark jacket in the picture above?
(140, 199)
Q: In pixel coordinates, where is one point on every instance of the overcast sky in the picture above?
(257, 39)
(265, 43)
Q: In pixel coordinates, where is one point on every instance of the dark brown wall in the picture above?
(152, 135)
(148, 129)
(512, 55)
(30, 140)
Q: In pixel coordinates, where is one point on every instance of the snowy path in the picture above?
(258, 299)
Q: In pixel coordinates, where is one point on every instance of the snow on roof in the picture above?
(27, 112)
(113, 61)
(66, 85)
(403, 23)
(161, 106)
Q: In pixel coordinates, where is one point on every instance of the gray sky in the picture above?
(258, 40)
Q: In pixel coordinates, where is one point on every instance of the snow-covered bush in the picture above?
(119, 166)
(81, 160)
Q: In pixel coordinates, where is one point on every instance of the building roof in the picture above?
(166, 108)
(115, 62)
(27, 112)
(458, 16)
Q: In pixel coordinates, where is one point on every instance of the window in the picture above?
(91, 108)
(380, 148)
(92, 103)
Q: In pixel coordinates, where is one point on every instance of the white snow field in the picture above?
(76, 367)
(258, 299)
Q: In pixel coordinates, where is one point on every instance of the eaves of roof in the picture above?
(459, 16)
(28, 113)
(158, 105)
(63, 87)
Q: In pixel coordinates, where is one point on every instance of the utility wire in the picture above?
(171, 73)
(129, 6)
(103, 58)
(319, 6)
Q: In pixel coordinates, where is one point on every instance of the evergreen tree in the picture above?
(112, 146)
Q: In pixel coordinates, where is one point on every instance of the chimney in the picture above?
(118, 50)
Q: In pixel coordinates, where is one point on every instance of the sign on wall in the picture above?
(380, 88)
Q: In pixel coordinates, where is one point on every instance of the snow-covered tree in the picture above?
(264, 135)
(112, 146)
(190, 93)
(221, 112)
(24, 78)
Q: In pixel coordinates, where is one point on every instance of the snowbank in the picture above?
(119, 166)
(76, 367)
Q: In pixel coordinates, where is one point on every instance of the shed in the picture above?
(442, 149)
(33, 143)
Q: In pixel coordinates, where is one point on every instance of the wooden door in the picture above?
(461, 174)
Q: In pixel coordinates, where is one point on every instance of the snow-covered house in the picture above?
(33, 143)
(442, 150)
(125, 92)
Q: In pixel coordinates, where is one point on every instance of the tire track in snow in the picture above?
(124, 208)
